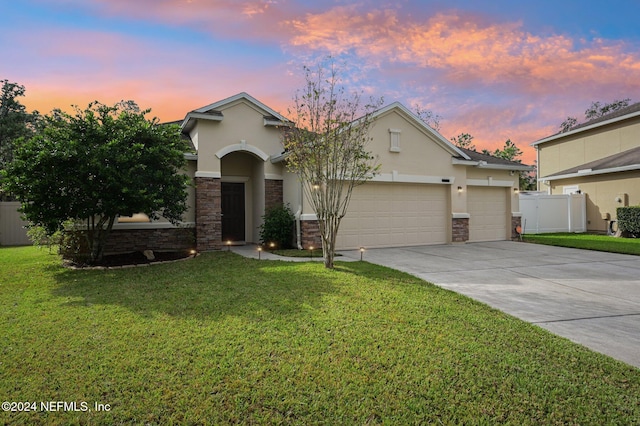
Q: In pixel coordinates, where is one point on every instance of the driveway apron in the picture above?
(589, 297)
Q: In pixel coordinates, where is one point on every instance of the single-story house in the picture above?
(599, 158)
(428, 190)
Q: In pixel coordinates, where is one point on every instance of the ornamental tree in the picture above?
(327, 147)
(96, 164)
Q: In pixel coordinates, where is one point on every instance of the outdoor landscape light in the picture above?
(361, 253)
(272, 245)
(311, 251)
(192, 252)
(259, 252)
(228, 245)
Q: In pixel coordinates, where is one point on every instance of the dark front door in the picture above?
(232, 211)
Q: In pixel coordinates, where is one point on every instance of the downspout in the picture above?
(298, 225)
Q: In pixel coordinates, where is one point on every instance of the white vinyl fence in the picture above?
(543, 213)
(12, 227)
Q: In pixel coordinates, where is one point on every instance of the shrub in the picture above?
(629, 221)
(277, 226)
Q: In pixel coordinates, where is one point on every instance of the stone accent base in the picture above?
(273, 193)
(120, 241)
(459, 230)
(208, 214)
(163, 239)
(310, 234)
(515, 222)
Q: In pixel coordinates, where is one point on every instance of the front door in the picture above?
(232, 211)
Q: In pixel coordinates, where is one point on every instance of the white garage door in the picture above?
(388, 214)
(487, 208)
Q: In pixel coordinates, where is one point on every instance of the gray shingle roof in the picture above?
(627, 158)
(619, 113)
(490, 159)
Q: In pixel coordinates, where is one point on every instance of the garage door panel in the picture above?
(487, 209)
(402, 214)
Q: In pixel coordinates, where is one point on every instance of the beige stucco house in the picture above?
(599, 158)
(428, 190)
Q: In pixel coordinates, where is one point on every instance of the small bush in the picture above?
(629, 220)
(277, 227)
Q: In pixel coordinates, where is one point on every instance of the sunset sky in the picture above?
(495, 69)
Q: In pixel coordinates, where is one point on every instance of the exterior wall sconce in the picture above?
(361, 253)
(459, 189)
(516, 190)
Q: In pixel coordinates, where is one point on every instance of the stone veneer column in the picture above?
(310, 234)
(273, 193)
(208, 213)
(515, 222)
(459, 229)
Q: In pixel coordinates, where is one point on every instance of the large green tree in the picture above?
(96, 164)
(15, 122)
(327, 148)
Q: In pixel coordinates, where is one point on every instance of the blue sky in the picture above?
(494, 69)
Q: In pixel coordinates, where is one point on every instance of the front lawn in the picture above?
(223, 339)
(588, 242)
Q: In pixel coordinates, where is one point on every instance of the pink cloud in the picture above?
(468, 50)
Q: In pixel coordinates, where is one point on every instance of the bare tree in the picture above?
(464, 140)
(327, 147)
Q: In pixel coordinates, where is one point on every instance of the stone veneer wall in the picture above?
(459, 230)
(161, 239)
(310, 234)
(515, 222)
(273, 193)
(208, 213)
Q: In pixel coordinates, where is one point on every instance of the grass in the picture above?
(588, 242)
(223, 339)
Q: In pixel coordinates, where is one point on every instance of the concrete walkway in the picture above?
(592, 298)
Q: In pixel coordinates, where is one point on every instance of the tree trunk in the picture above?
(329, 233)
(99, 238)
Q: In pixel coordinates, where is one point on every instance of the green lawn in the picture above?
(223, 339)
(588, 241)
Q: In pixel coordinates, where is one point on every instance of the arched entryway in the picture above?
(242, 197)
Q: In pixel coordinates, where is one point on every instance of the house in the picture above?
(428, 190)
(599, 158)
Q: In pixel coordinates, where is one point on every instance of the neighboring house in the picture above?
(600, 158)
(428, 190)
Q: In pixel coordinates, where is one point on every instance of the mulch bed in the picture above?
(138, 258)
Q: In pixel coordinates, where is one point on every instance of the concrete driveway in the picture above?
(589, 297)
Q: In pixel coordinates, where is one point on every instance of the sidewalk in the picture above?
(251, 251)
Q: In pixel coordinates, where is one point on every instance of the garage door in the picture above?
(487, 209)
(388, 214)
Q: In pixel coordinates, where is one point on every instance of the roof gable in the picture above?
(420, 124)
(214, 111)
